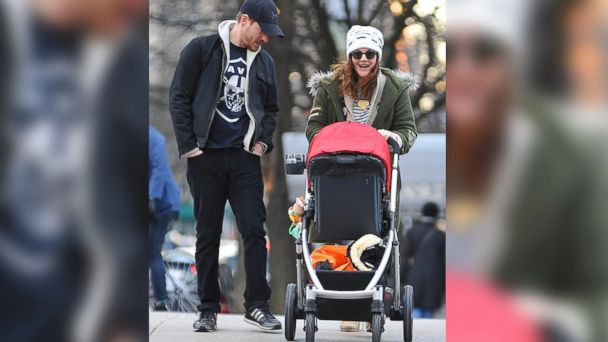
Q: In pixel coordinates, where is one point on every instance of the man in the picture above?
(223, 102)
(424, 262)
(163, 196)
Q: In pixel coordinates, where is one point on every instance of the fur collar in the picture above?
(356, 248)
(411, 81)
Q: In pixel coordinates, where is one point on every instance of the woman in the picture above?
(359, 90)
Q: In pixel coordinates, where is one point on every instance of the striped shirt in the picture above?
(360, 115)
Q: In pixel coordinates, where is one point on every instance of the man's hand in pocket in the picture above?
(258, 149)
(194, 153)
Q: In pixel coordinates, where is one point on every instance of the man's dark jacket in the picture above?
(195, 92)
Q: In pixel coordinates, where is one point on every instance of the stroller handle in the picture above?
(393, 144)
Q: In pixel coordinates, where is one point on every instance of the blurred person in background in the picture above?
(72, 244)
(224, 104)
(525, 187)
(163, 196)
(423, 254)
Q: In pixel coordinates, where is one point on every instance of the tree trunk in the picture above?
(325, 43)
(282, 252)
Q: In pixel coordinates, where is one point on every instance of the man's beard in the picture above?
(250, 46)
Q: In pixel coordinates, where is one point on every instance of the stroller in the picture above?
(351, 191)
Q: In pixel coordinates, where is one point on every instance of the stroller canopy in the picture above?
(351, 137)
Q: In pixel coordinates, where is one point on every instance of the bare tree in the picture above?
(282, 253)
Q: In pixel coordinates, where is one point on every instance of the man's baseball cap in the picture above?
(266, 13)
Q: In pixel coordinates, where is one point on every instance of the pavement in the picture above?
(177, 327)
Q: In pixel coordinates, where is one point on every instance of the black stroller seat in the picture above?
(348, 190)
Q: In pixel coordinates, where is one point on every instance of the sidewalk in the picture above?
(177, 327)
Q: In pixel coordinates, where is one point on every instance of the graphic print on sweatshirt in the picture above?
(234, 86)
(231, 121)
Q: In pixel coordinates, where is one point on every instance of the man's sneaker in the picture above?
(206, 322)
(263, 319)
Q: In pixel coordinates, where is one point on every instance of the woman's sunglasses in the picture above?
(369, 54)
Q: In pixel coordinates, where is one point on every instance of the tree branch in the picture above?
(348, 21)
(375, 12)
(326, 46)
(178, 22)
(399, 23)
(360, 12)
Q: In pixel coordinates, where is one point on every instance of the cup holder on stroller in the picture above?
(295, 164)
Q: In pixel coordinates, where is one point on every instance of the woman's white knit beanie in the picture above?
(364, 37)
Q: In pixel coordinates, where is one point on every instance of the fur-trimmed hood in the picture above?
(411, 81)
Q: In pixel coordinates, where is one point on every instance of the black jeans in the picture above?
(236, 176)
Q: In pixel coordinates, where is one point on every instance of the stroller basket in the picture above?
(344, 280)
(341, 309)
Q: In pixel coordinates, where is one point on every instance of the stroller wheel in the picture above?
(408, 306)
(311, 327)
(291, 303)
(377, 327)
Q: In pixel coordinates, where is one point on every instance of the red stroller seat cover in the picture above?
(351, 137)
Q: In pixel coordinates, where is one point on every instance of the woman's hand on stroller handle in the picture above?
(392, 139)
(393, 144)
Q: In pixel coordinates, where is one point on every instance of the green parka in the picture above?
(391, 110)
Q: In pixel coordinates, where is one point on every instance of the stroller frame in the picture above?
(304, 303)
